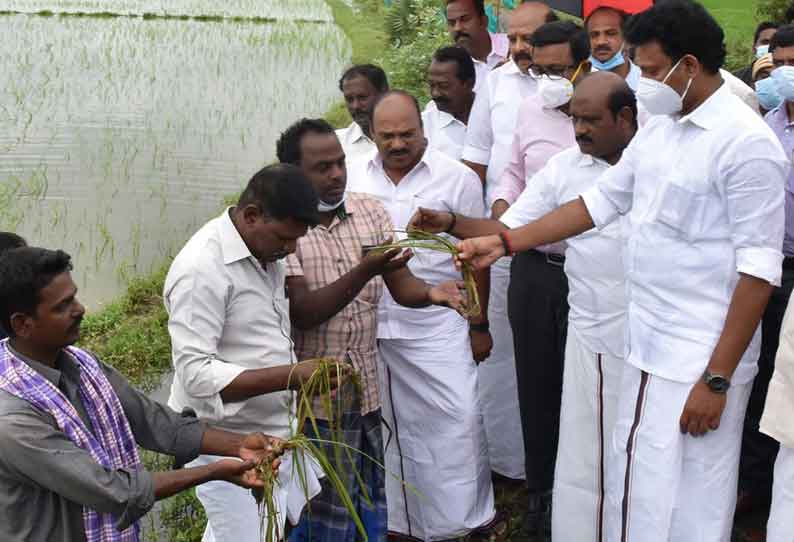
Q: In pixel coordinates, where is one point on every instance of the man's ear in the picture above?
(692, 66)
(627, 119)
(21, 324)
(251, 214)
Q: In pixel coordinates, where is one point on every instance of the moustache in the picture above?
(76, 325)
(603, 49)
(522, 56)
(584, 139)
(459, 35)
(401, 152)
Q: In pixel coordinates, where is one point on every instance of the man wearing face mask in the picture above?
(607, 44)
(451, 79)
(486, 150)
(759, 450)
(538, 290)
(361, 86)
(493, 116)
(334, 288)
(228, 318)
(704, 195)
(763, 34)
(765, 88)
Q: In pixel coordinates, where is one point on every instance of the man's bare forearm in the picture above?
(220, 442)
(566, 221)
(744, 314)
(254, 382)
(406, 289)
(167, 484)
(466, 227)
(483, 279)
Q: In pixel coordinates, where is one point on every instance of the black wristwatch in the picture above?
(482, 327)
(716, 383)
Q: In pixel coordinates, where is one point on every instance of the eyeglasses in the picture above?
(552, 72)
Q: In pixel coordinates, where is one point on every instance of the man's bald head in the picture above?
(604, 112)
(397, 131)
(523, 22)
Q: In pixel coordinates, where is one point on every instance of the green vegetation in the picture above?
(131, 333)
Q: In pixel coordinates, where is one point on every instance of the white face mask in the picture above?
(556, 92)
(659, 98)
(784, 81)
(328, 207)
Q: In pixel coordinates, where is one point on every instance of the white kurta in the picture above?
(594, 347)
(433, 430)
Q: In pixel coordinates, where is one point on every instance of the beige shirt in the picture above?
(227, 314)
(778, 418)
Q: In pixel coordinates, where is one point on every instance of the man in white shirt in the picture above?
(604, 112)
(608, 46)
(702, 185)
(228, 317)
(468, 28)
(432, 426)
(451, 80)
(361, 87)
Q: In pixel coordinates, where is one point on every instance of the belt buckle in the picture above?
(555, 259)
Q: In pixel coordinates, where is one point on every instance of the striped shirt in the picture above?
(323, 256)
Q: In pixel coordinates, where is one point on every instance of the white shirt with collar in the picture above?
(594, 262)
(227, 314)
(444, 132)
(436, 182)
(633, 77)
(500, 49)
(704, 199)
(493, 119)
(354, 142)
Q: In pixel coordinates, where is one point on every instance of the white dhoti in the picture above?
(498, 388)
(233, 513)
(590, 389)
(434, 436)
(781, 517)
(666, 485)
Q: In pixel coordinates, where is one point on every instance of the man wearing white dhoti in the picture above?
(604, 110)
(433, 428)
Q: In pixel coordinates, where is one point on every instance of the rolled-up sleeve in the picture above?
(35, 452)
(479, 135)
(197, 303)
(755, 194)
(613, 193)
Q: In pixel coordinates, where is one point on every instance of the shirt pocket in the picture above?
(679, 210)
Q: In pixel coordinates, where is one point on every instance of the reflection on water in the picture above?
(120, 136)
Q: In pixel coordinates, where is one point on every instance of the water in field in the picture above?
(121, 134)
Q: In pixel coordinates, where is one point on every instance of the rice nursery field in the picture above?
(121, 135)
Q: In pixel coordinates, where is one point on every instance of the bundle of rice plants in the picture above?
(422, 240)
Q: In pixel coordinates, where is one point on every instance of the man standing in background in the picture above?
(608, 45)
(361, 86)
(451, 79)
(486, 150)
(759, 450)
(763, 34)
(468, 28)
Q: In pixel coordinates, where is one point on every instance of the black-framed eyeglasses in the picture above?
(552, 72)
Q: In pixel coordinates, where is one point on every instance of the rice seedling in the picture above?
(319, 391)
(422, 240)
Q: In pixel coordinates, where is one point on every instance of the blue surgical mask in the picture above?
(767, 93)
(610, 64)
(784, 81)
(761, 50)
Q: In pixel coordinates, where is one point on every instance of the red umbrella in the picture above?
(583, 8)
